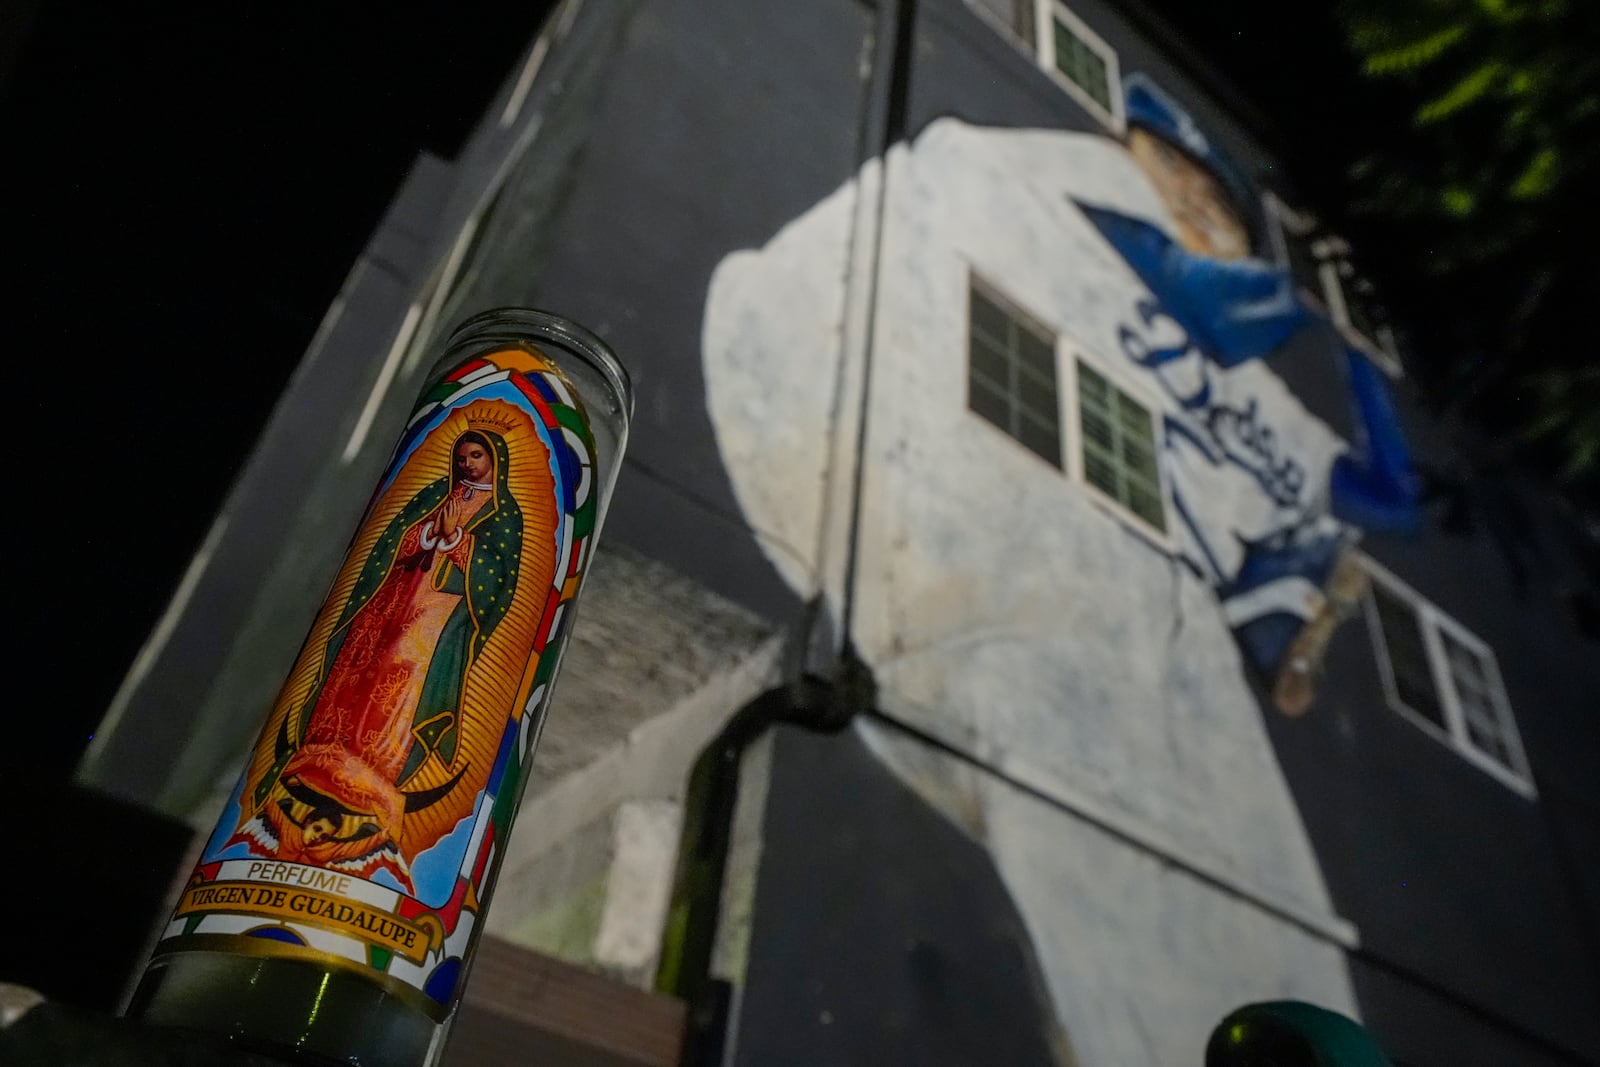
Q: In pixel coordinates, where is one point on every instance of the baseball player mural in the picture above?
(1150, 261)
(1098, 648)
(1285, 584)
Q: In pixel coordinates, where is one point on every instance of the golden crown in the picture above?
(500, 421)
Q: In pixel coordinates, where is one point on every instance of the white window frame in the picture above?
(1068, 416)
(1334, 270)
(1043, 52)
(1282, 222)
(1333, 267)
(1433, 623)
(1045, 12)
(1068, 354)
(976, 280)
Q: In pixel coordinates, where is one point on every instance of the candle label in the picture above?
(365, 825)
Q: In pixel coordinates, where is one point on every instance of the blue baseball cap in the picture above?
(1148, 106)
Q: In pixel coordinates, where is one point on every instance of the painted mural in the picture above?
(1007, 607)
(1214, 306)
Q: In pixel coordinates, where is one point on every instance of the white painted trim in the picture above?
(1433, 622)
(1124, 377)
(568, 16)
(1071, 418)
(1500, 700)
(1068, 355)
(1391, 690)
(1439, 666)
(1332, 271)
(1383, 355)
(331, 317)
(519, 92)
(444, 284)
(441, 290)
(557, 26)
(1046, 13)
(1390, 349)
(1333, 293)
(1508, 722)
(380, 386)
(1284, 221)
(1380, 349)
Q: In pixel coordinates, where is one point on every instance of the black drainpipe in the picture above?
(813, 703)
(825, 701)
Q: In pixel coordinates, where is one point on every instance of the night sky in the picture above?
(188, 190)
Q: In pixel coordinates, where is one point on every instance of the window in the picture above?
(1361, 309)
(1011, 374)
(1067, 49)
(1078, 60)
(1110, 428)
(1083, 64)
(1443, 678)
(1410, 669)
(1118, 443)
(1292, 236)
(1319, 263)
(1477, 689)
(1353, 305)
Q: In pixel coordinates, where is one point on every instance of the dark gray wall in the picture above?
(1445, 870)
(1419, 1030)
(693, 131)
(884, 933)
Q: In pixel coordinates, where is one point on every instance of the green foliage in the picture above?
(1457, 200)
(1539, 177)
(1476, 200)
(1569, 417)
(1466, 91)
(1386, 58)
